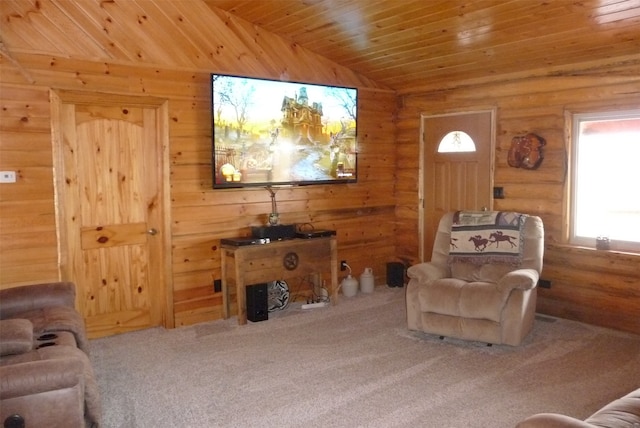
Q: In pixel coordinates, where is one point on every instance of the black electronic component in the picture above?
(257, 302)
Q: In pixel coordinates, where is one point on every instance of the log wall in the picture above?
(362, 213)
(376, 219)
(592, 286)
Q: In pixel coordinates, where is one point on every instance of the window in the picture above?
(456, 142)
(605, 199)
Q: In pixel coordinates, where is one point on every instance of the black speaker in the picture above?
(257, 302)
(395, 274)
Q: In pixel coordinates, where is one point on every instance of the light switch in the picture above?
(7, 176)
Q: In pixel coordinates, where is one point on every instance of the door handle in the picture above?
(152, 231)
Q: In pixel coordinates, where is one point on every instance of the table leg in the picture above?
(334, 271)
(225, 289)
(241, 292)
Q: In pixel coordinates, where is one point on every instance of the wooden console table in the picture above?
(260, 263)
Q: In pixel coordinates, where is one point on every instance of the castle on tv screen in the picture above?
(278, 132)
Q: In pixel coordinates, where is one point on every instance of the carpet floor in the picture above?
(355, 365)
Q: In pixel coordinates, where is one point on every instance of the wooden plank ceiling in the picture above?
(401, 44)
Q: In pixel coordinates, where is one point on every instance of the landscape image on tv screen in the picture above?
(269, 133)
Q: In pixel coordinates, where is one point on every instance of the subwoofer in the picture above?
(257, 302)
(395, 274)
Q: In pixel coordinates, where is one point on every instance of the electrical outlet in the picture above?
(343, 265)
(217, 285)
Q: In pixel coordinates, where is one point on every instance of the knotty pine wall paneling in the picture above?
(202, 216)
(596, 287)
(362, 213)
(28, 242)
(170, 53)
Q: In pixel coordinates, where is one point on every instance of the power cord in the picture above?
(323, 297)
(302, 227)
(315, 298)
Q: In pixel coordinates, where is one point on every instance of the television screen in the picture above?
(270, 133)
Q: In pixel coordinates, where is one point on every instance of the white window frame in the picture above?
(576, 120)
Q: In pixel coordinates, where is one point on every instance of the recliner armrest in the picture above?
(34, 377)
(428, 271)
(50, 392)
(16, 336)
(25, 298)
(524, 279)
(553, 420)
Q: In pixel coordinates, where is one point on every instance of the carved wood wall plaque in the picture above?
(526, 151)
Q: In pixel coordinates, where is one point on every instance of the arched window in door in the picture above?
(456, 142)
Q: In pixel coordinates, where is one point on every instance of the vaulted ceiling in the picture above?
(408, 44)
(401, 44)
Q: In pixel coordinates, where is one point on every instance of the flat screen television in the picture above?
(275, 133)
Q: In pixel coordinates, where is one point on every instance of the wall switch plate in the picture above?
(7, 176)
(217, 286)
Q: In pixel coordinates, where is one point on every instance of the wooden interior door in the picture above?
(455, 180)
(112, 199)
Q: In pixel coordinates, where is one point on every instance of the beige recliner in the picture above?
(487, 297)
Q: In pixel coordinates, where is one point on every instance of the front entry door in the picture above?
(455, 180)
(110, 192)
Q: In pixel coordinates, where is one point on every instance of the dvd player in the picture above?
(280, 231)
(241, 242)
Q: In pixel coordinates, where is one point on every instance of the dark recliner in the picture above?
(46, 377)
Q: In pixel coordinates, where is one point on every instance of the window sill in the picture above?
(583, 249)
